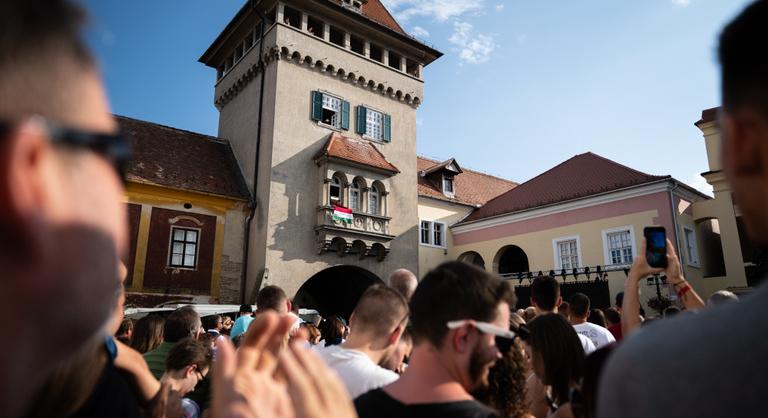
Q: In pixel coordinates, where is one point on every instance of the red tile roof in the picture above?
(581, 176)
(376, 11)
(470, 187)
(708, 115)
(182, 160)
(355, 150)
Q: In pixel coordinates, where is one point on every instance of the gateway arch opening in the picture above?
(335, 290)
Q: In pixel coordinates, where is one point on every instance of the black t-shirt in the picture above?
(377, 404)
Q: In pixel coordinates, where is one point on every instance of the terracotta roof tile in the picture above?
(183, 160)
(376, 11)
(356, 151)
(470, 187)
(581, 176)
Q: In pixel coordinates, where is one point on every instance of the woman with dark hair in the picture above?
(557, 357)
(124, 333)
(333, 330)
(507, 378)
(148, 333)
(597, 317)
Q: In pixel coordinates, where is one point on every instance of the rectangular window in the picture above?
(357, 45)
(354, 199)
(315, 27)
(374, 124)
(292, 17)
(394, 60)
(249, 41)
(336, 36)
(567, 254)
(692, 250)
(425, 234)
(330, 110)
(448, 186)
(433, 233)
(183, 247)
(437, 234)
(373, 201)
(620, 247)
(376, 53)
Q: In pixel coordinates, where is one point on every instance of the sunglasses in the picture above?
(113, 147)
(504, 338)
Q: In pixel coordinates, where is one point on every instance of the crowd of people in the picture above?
(448, 345)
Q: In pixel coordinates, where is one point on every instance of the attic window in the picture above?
(448, 186)
(353, 4)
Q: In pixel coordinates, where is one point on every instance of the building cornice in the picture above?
(295, 56)
(664, 185)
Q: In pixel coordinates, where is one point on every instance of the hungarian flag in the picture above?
(341, 214)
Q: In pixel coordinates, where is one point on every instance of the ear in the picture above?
(461, 340)
(394, 336)
(24, 154)
(190, 370)
(533, 302)
(744, 150)
(559, 301)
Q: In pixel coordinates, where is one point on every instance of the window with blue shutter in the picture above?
(360, 126)
(387, 128)
(317, 106)
(345, 115)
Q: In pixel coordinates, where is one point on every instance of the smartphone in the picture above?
(656, 246)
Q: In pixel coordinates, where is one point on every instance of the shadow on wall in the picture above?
(335, 290)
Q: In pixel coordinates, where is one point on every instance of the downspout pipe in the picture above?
(253, 202)
(675, 186)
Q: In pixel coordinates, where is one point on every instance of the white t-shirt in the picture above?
(598, 335)
(586, 344)
(356, 370)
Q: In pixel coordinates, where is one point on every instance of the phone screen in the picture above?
(656, 246)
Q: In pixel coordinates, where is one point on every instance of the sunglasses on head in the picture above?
(504, 338)
(113, 147)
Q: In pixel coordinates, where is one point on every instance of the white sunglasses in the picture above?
(485, 327)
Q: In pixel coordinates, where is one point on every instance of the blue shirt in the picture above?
(241, 325)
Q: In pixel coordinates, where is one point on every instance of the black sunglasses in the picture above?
(113, 147)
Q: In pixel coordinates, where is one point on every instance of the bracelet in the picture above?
(683, 291)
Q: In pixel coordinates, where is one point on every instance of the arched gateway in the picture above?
(335, 290)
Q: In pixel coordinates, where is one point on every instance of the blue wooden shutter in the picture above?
(361, 116)
(345, 115)
(387, 128)
(317, 106)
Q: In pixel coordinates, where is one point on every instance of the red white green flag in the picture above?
(341, 214)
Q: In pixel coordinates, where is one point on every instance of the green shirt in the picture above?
(156, 358)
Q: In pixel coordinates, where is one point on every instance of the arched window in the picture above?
(335, 191)
(374, 200)
(355, 201)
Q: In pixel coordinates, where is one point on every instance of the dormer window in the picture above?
(355, 5)
(448, 186)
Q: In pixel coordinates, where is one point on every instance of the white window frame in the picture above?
(370, 115)
(339, 111)
(340, 200)
(374, 208)
(556, 250)
(453, 186)
(695, 245)
(358, 199)
(429, 232)
(170, 248)
(606, 244)
(443, 234)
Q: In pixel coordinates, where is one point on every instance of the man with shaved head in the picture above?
(404, 282)
(376, 325)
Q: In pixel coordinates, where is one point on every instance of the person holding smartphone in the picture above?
(642, 269)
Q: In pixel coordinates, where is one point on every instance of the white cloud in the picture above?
(441, 10)
(419, 32)
(499, 7)
(473, 48)
(700, 183)
(683, 3)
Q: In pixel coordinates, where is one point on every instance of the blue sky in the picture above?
(523, 85)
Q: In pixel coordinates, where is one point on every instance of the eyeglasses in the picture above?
(113, 147)
(200, 375)
(504, 338)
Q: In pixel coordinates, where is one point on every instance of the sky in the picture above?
(523, 86)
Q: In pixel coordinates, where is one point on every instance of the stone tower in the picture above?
(318, 99)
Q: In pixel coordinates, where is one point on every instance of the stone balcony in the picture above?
(367, 236)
